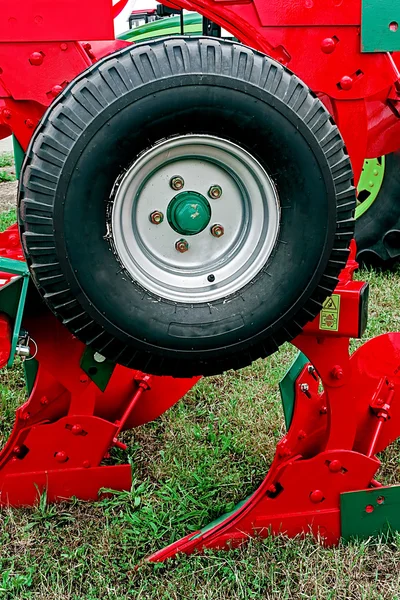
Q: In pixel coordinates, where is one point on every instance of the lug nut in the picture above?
(177, 183)
(217, 231)
(215, 192)
(156, 217)
(182, 246)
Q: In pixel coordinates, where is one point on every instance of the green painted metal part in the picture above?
(19, 156)
(189, 213)
(370, 184)
(193, 25)
(13, 296)
(287, 387)
(367, 513)
(380, 26)
(99, 372)
(30, 370)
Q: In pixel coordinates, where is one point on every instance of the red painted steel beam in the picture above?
(56, 20)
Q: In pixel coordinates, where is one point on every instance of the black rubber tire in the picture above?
(103, 121)
(378, 229)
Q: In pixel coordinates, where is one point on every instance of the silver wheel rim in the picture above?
(213, 267)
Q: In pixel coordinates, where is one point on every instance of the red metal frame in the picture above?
(68, 425)
(332, 441)
(41, 53)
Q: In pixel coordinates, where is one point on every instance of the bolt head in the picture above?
(76, 429)
(55, 90)
(335, 466)
(304, 387)
(36, 59)
(215, 192)
(346, 83)
(29, 123)
(328, 45)
(86, 464)
(217, 231)
(44, 400)
(156, 217)
(61, 456)
(177, 183)
(316, 496)
(337, 372)
(182, 246)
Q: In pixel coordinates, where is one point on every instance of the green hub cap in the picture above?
(189, 213)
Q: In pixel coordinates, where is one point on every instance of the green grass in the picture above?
(6, 159)
(8, 218)
(7, 172)
(194, 463)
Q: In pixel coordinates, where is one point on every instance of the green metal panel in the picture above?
(19, 156)
(367, 513)
(13, 296)
(31, 367)
(286, 387)
(380, 26)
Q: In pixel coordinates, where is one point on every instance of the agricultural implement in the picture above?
(186, 206)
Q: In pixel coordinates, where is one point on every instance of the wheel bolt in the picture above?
(215, 192)
(182, 246)
(177, 183)
(217, 231)
(156, 217)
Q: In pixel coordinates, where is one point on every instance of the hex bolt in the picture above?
(337, 372)
(215, 192)
(217, 231)
(182, 246)
(177, 183)
(156, 217)
(304, 387)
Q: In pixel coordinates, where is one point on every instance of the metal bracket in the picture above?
(380, 26)
(20, 270)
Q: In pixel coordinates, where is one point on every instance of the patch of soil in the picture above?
(8, 195)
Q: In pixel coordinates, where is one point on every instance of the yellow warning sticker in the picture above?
(329, 316)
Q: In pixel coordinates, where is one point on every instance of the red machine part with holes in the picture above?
(319, 41)
(68, 425)
(334, 436)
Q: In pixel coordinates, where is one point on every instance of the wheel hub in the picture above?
(211, 191)
(189, 213)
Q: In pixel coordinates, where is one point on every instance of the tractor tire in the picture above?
(186, 206)
(378, 228)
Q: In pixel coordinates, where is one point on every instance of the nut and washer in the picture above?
(217, 231)
(215, 192)
(156, 217)
(182, 246)
(177, 183)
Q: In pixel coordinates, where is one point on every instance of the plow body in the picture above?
(341, 410)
